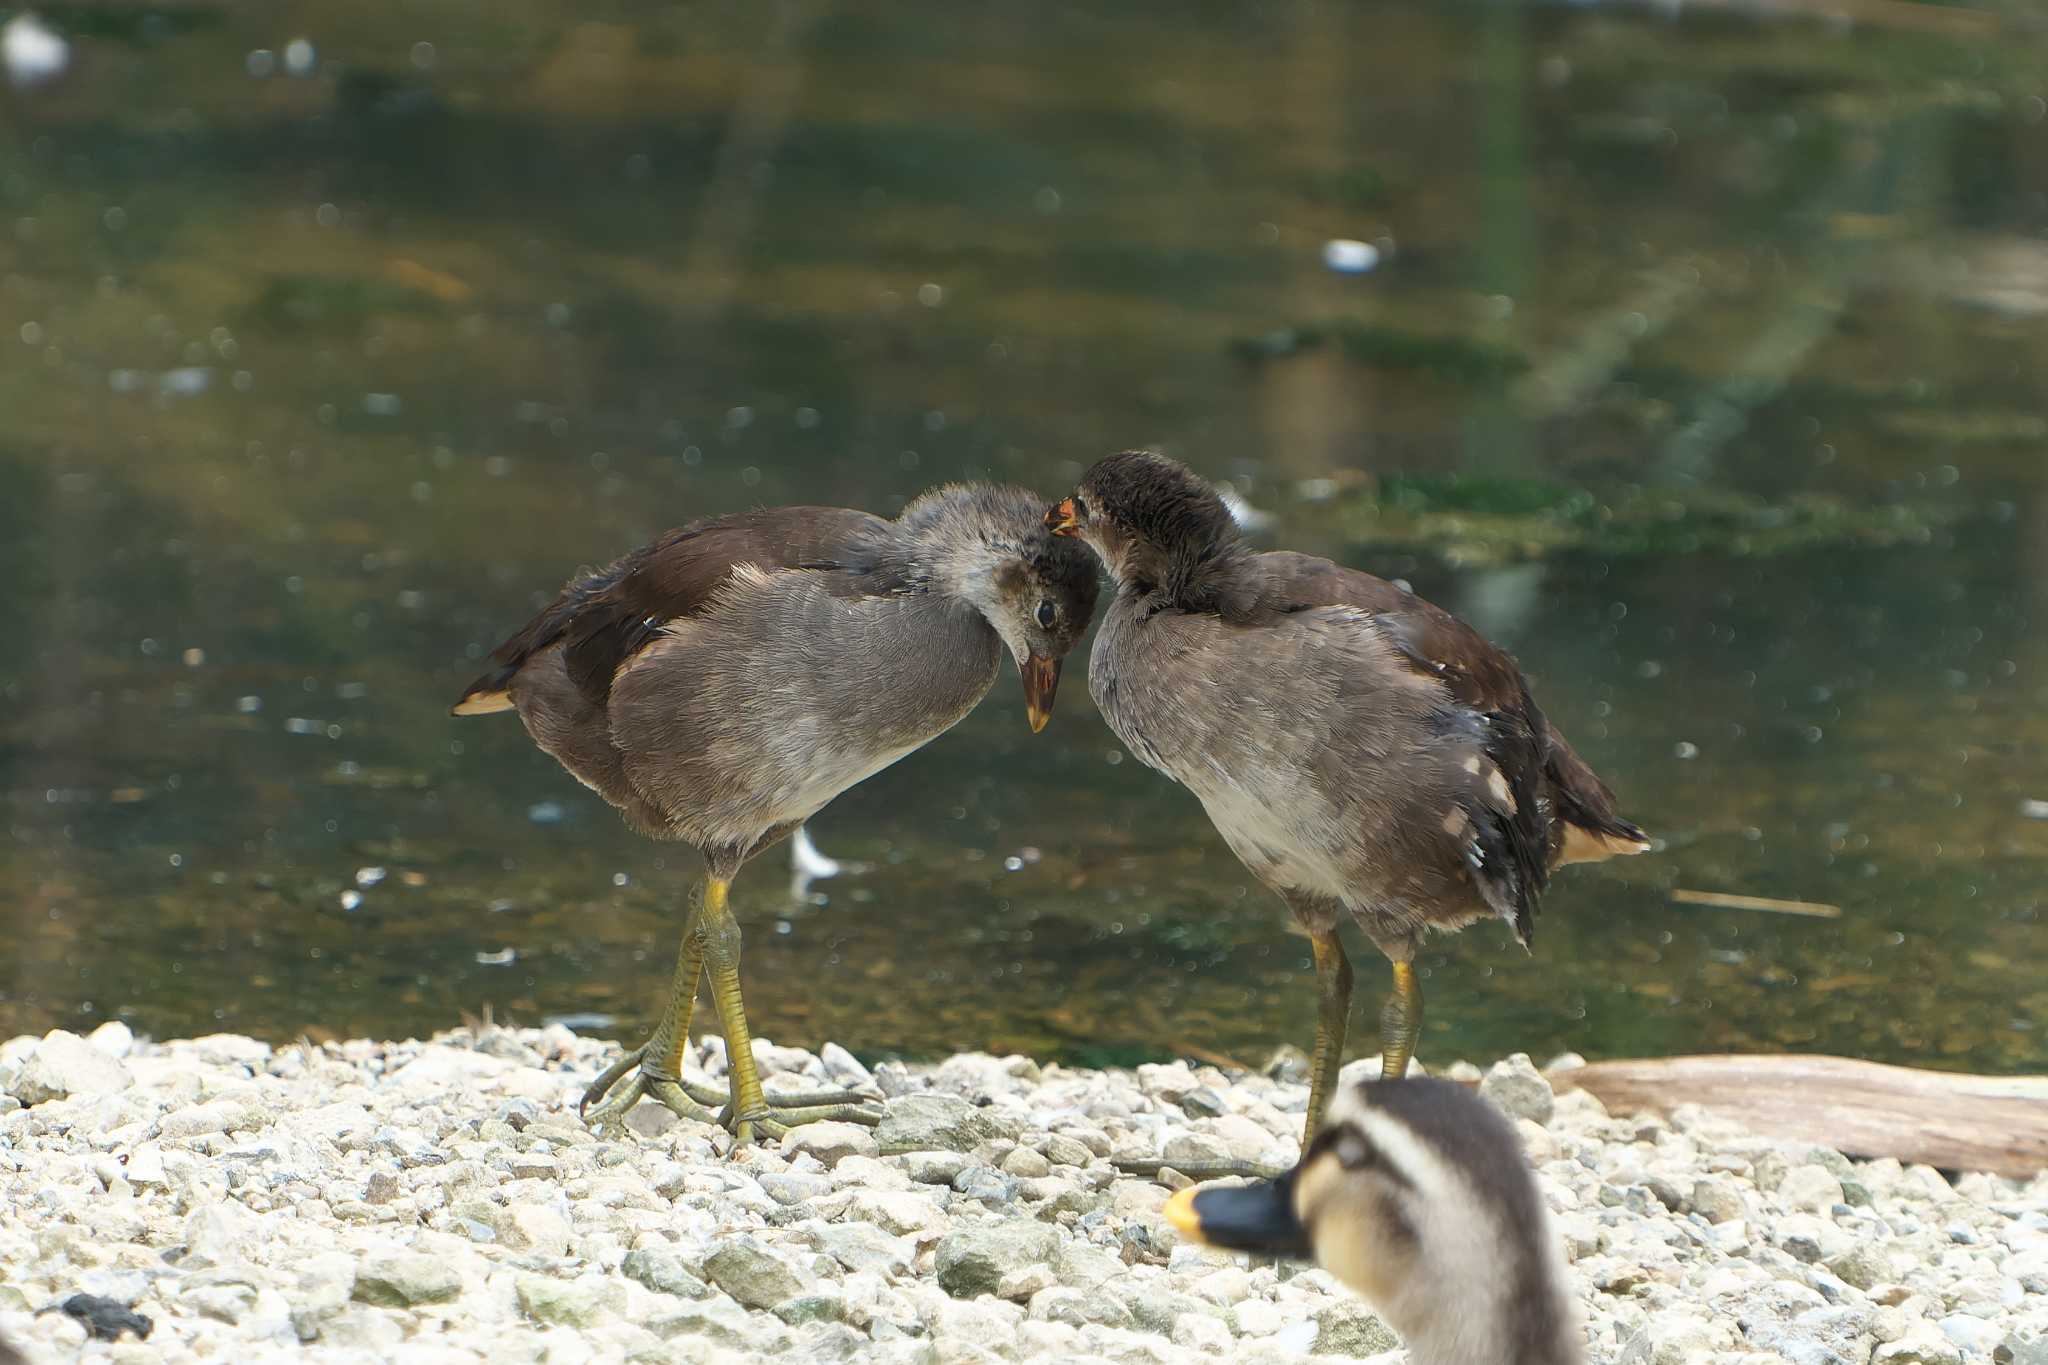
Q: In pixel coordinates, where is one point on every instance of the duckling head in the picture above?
(1417, 1196)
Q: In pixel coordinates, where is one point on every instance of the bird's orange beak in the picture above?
(1061, 519)
(1041, 681)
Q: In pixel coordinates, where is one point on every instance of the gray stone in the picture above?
(532, 1227)
(1348, 1328)
(794, 1187)
(863, 1246)
(664, 1272)
(65, 1064)
(845, 1068)
(1810, 1189)
(2025, 1345)
(1519, 1090)
(1818, 1336)
(1062, 1150)
(985, 1183)
(974, 1260)
(1157, 1305)
(583, 1302)
(1026, 1164)
(1079, 1307)
(934, 1168)
(228, 1303)
(1865, 1265)
(753, 1273)
(405, 1279)
(921, 1123)
(829, 1142)
(1923, 1344)
(1718, 1198)
(806, 1308)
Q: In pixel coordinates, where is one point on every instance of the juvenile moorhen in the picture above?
(1417, 1196)
(722, 684)
(1358, 748)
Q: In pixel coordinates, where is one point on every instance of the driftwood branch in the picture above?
(1945, 1119)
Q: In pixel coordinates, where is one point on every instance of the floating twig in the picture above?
(1723, 900)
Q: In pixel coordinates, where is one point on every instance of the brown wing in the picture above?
(602, 618)
(1556, 809)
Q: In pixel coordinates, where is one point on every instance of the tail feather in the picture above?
(1589, 828)
(482, 698)
(491, 692)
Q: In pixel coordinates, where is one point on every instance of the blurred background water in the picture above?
(1695, 353)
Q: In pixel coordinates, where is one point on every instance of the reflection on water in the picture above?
(1698, 362)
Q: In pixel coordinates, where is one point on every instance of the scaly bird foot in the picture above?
(617, 1098)
(613, 1094)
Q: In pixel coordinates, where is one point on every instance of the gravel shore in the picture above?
(440, 1201)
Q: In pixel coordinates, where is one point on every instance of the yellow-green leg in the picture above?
(1333, 1020)
(657, 1064)
(1400, 1022)
(711, 945)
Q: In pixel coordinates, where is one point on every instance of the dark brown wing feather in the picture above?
(603, 617)
(1551, 785)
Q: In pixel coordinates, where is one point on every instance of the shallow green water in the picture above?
(1702, 368)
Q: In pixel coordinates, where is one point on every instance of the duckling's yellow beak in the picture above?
(1180, 1211)
(1255, 1217)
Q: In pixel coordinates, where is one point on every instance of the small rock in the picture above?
(1809, 1189)
(753, 1273)
(1062, 1150)
(1349, 1328)
(583, 1302)
(405, 1279)
(1864, 1265)
(1718, 1199)
(114, 1038)
(664, 1272)
(830, 1142)
(985, 1183)
(973, 1261)
(808, 1308)
(934, 1168)
(1079, 1307)
(1019, 1285)
(1027, 1164)
(845, 1068)
(532, 1227)
(864, 1247)
(920, 1123)
(897, 1212)
(1923, 1344)
(1519, 1090)
(65, 1064)
(1194, 1149)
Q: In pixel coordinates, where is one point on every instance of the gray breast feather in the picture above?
(780, 696)
(1320, 757)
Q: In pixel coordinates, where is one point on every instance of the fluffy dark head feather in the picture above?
(1160, 501)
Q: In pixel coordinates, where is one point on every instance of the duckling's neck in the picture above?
(1467, 1319)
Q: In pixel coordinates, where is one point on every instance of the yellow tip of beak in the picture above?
(1037, 718)
(1180, 1211)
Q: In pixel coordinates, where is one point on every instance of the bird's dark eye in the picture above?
(1047, 613)
(1080, 507)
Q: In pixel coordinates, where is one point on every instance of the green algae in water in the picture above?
(1475, 520)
